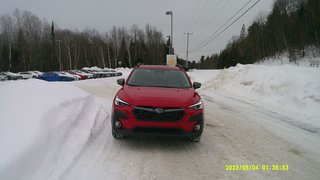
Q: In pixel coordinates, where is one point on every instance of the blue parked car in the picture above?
(54, 76)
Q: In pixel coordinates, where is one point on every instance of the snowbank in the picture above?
(44, 127)
(203, 76)
(290, 90)
(311, 55)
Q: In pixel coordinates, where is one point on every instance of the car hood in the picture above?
(158, 97)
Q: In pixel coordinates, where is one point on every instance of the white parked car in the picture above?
(11, 76)
(37, 72)
(27, 74)
(3, 77)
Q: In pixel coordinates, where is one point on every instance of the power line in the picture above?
(200, 15)
(215, 15)
(194, 13)
(212, 37)
(192, 18)
(204, 42)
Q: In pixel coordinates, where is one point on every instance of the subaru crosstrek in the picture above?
(158, 101)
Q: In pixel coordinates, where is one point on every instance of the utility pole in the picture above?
(188, 34)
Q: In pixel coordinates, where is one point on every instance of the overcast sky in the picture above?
(202, 17)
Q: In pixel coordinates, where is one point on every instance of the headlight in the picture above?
(197, 105)
(120, 102)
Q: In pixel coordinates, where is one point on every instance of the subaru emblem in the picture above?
(158, 111)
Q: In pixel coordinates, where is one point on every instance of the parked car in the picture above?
(81, 75)
(55, 76)
(27, 74)
(101, 74)
(109, 72)
(94, 74)
(64, 73)
(90, 76)
(3, 77)
(112, 72)
(157, 101)
(11, 76)
(37, 73)
(117, 73)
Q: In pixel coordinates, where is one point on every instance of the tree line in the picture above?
(292, 26)
(29, 43)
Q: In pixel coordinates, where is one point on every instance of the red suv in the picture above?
(157, 101)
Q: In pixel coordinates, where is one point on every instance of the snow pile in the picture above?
(44, 127)
(125, 71)
(287, 89)
(203, 76)
(121, 69)
(312, 54)
(304, 62)
(92, 68)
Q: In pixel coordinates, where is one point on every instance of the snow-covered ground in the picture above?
(44, 127)
(291, 90)
(255, 114)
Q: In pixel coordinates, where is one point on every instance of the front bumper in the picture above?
(151, 131)
(130, 126)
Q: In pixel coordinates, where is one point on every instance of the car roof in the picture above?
(158, 67)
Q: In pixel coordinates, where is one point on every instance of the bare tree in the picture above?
(127, 40)
(116, 42)
(107, 40)
(67, 45)
(30, 43)
(7, 30)
(32, 27)
(134, 30)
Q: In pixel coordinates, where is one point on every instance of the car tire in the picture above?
(117, 135)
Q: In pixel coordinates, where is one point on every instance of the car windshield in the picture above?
(159, 78)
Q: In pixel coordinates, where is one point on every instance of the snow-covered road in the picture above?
(255, 115)
(236, 133)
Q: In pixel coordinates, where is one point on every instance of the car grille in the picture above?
(149, 114)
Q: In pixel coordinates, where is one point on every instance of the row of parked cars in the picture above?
(70, 75)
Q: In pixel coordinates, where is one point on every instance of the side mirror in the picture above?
(120, 81)
(196, 85)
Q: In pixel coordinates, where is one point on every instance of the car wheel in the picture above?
(195, 139)
(117, 135)
(34, 77)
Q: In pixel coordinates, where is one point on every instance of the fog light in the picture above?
(197, 127)
(117, 124)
